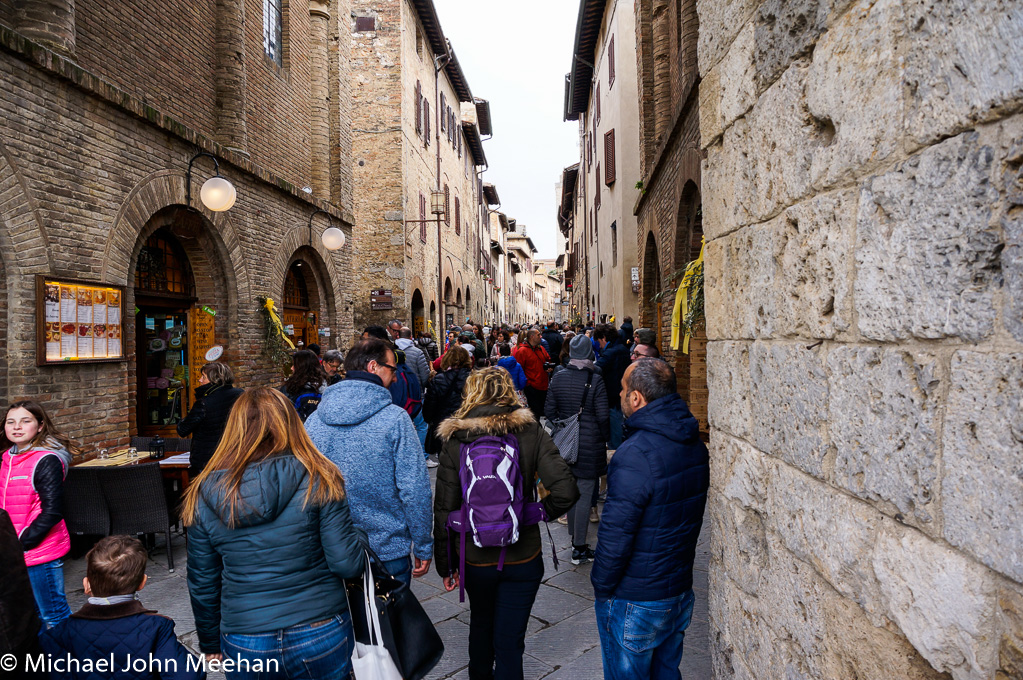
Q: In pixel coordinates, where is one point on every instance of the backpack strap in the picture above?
(586, 391)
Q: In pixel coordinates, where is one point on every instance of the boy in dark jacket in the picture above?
(508, 363)
(114, 624)
(614, 359)
(656, 493)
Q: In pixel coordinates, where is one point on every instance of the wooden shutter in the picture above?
(609, 157)
(589, 150)
(447, 205)
(458, 216)
(419, 107)
(426, 122)
(611, 62)
(596, 105)
(443, 122)
(459, 145)
(596, 192)
(422, 217)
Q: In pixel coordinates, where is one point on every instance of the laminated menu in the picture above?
(78, 321)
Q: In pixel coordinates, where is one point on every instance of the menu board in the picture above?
(78, 321)
(201, 332)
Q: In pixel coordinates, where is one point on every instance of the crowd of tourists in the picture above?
(294, 485)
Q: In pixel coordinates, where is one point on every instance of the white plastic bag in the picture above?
(372, 661)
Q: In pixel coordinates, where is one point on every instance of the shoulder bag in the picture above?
(565, 432)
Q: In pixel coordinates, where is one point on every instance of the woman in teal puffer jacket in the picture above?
(270, 539)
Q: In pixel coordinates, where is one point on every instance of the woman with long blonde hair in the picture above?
(500, 599)
(270, 540)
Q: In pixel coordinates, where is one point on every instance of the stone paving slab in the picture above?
(561, 643)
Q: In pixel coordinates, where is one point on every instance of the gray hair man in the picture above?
(657, 485)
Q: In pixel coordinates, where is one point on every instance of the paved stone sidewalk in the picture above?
(561, 643)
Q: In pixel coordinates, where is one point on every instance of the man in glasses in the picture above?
(640, 351)
(375, 445)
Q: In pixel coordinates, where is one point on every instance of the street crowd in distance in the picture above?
(299, 487)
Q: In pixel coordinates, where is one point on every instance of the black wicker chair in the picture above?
(134, 494)
(179, 445)
(142, 443)
(85, 508)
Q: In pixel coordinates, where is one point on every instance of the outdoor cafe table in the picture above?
(172, 467)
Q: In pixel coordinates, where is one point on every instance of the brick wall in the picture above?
(87, 172)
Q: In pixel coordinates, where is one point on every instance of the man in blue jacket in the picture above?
(656, 492)
(614, 359)
(376, 447)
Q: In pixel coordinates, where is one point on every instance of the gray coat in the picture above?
(564, 397)
(416, 359)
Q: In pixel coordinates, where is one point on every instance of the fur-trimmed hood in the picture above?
(486, 420)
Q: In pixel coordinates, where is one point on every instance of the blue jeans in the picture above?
(617, 425)
(421, 428)
(643, 639)
(312, 651)
(400, 569)
(48, 588)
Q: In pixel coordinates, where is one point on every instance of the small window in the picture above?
(273, 30)
(611, 62)
(163, 266)
(365, 24)
(609, 157)
(296, 293)
(443, 115)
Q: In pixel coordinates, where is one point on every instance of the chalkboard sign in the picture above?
(200, 340)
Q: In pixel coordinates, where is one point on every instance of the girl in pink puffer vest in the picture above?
(35, 462)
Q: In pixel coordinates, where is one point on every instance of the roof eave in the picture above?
(475, 144)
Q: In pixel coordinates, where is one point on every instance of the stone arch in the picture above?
(691, 368)
(29, 247)
(417, 310)
(468, 303)
(448, 292)
(651, 286)
(298, 239)
(315, 271)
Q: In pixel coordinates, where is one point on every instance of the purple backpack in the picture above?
(493, 504)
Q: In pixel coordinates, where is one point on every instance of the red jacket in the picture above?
(532, 360)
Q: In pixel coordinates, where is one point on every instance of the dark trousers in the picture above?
(535, 399)
(499, 606)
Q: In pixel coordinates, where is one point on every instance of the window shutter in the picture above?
(459, 145)
(596, 192)
(451, 125)
(447, 205)
(422, 218)
(443, 122)
(609, 157)
(596, 105)
(611, 62)
(426, 122)
(419, 107)
(589, 151)
(458, 216)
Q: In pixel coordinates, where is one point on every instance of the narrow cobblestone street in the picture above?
(561, 642)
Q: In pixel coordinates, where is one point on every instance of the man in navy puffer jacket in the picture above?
(656, 492)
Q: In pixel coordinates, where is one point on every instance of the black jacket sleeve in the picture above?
(49, 484)
(194, 418)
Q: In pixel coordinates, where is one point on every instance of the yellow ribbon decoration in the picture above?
(277, 322)
(681, 308)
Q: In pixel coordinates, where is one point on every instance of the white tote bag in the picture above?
(372, 661)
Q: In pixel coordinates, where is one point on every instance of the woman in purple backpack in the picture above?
(492, 434)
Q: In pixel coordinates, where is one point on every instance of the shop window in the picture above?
(296, 293)
(163, 267)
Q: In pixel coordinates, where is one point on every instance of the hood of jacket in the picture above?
(489, 419)
(404, 343)
(266, 489)
(351, 402)
(669, 417)
(49, 444)
(505, 362)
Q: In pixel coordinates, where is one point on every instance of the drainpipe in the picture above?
(439, 62)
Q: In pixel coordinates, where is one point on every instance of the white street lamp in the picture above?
(333, 239)
(217, 194)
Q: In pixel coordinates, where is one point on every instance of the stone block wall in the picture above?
(863, 203)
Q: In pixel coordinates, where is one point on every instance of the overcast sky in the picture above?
(515, 54)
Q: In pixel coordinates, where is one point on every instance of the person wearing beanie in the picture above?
(567, 393)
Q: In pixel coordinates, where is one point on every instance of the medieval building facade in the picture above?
(116, 276)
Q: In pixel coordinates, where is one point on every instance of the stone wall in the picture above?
(863, 203)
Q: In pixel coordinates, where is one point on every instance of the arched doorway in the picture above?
(458, 306)
(165, 296)
(449, 312)
(418, 308)
(468, 305)
(651, 309)
(304, 304)
(433, 315)
(691, 368)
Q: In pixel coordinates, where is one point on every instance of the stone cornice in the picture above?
(92, 84)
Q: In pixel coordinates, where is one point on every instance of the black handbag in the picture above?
(408, 633)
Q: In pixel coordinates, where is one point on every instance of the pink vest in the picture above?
(19, 498)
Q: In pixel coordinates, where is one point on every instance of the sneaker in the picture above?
(563, 520)
(584, 556)
(431, 461)
(594, 516)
